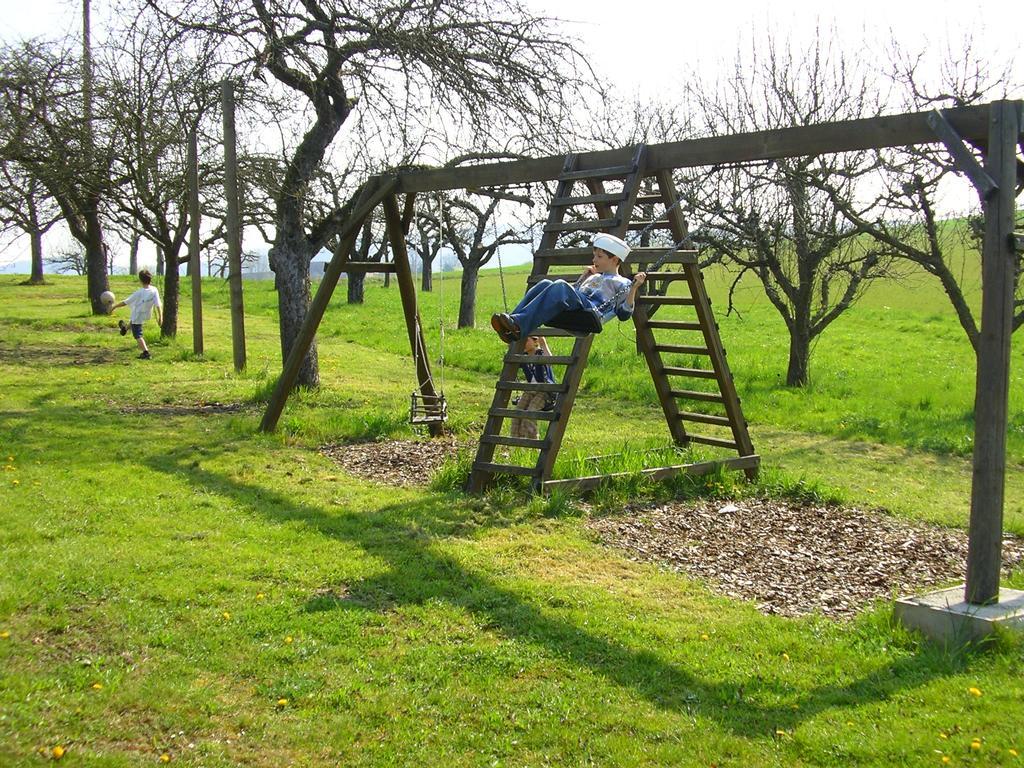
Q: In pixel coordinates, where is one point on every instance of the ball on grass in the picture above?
(107, 297)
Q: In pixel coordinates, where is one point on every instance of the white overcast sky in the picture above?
(648, 46)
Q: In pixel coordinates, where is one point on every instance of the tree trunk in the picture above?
(171, 297)
(799, 353)
(289, 259)
(133, 256)
(37, 258)
(356, 288)
(467, 295)
(95, 261)
(427, 280)
(160, 267)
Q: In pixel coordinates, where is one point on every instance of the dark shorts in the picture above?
(136, 330)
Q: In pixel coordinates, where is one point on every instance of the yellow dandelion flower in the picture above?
(260, 595)
(10, 458)
(226, 614)
(4, 635)
(282, 702)
(943, 735)
(57, 752)
(779, 732)
(1012, 752)
(15, 482)
(974, 691)
(705, 637)
(976, 744)
(165, 758)
(785, 656)
(288, 639)
(945, 758)
(97, 686)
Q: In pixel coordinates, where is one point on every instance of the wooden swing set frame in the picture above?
(994, 129)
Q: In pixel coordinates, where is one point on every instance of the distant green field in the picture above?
(896, 369)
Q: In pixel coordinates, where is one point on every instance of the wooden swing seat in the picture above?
(428, 409)
(578, 322)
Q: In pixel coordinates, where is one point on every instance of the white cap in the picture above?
(614, 245)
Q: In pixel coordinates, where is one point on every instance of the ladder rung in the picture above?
(648, 199)
(718, 442)
(581, 225)
(682, 349)
(530, 386)
(689, 394)
(686, 301)
(666, 275)
(552, 332)
(516, 442)
(598, 173)
(537, 278)
(647, 256)
(647, 253)
(503, 469)
(703, 418)
(368, 266)
(675, 325)
(693, 373)
(656, 224)
(608, 197)
(543, 359)
(516, 413)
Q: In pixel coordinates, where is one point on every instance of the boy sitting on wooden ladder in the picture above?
(600, 287)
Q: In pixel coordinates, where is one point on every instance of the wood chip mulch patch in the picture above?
(795, 560)
(405, 463)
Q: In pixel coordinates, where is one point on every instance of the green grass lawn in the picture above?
(177, 584)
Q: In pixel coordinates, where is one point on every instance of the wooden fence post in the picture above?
(234, 225)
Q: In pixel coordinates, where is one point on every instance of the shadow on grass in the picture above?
(402, 535)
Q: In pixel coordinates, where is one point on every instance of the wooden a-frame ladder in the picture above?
(696, 349)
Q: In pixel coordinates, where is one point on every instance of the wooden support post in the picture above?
(369, 197)
(407, 290)
(234, 227)
(991, 399)
(193, 243)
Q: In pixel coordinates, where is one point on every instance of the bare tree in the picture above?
(26, 208)
(43, 129)
(774, 220)
(162, 79)
(405, 62)
(906, 217)
(466, 225)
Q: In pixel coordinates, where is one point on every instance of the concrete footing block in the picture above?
(943, 616)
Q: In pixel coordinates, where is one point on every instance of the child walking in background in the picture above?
(143, 302)
(535, 373)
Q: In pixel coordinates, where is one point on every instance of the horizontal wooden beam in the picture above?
(971, 123)
(656, 473)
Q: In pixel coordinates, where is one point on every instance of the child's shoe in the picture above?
(122, 326)
(145, 356)
(507, 328)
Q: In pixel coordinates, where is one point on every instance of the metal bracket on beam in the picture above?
(963, 160)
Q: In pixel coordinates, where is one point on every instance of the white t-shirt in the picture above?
(142, 303)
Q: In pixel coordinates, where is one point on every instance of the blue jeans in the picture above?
(543, 301)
